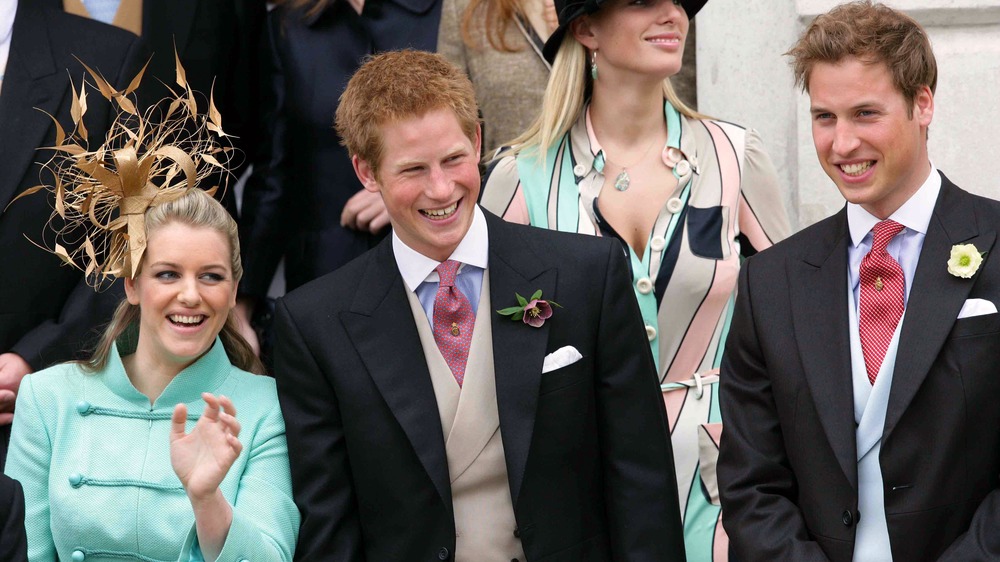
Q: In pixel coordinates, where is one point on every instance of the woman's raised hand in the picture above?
(202, 458)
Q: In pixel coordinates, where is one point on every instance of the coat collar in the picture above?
(402, 377)
(31, 83)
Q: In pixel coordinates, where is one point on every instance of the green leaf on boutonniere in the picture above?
(510, 310)
(536, 296)
(522, 300)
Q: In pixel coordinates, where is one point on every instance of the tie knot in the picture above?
(447, 271)
(883, 232)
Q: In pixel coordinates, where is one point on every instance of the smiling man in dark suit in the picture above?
(47, 309)
(424, 424)
(860, 381)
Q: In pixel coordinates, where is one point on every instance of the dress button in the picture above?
(657, 243)
(674, 205)
(77, 556)
(683, 168)
(650, 332)
(83, 407)
(672, 156)
(580, 170)
(644, 285)
(443, 553)
(847, 518)
(75, 480)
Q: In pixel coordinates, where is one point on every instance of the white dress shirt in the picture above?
(8, 8)
(420, 277)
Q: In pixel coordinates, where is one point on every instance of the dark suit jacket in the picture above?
(218, 44)
(13, 542)
(587, 449)
(788, 463)
(302, 175)
(48, 312)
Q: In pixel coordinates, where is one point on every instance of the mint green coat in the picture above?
(94, 459)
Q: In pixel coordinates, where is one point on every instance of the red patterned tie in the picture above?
(882, 289)
(453, 320)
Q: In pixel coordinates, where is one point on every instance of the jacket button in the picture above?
(847, 518)
(83, 407)
(645, 285)
(443, 553)
(78, 556)
(674, 205)
(579, 170)
(517, 533)
(76, 480)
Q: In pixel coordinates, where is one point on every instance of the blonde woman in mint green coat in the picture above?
(141, 453)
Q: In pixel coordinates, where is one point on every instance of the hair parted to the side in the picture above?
(197, 209)
(873, 33)
(568, 90)
(397, 85)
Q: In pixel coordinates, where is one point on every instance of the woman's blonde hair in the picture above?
(569, 88)
(197, 209)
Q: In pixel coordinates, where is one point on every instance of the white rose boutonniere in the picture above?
(965, 260)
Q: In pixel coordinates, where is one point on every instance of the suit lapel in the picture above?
(383, 331)
(31, 81)
(936, 296)
(168, 22)
(818, 285)
(518, 349)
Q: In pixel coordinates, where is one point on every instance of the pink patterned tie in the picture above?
(453, 320)
(882, 289)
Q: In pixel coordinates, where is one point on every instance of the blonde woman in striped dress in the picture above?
(615, 153)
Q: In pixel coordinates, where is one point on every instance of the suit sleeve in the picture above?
(756, 484)
(263, 221)
(640, 483)
(28, 461)
(13, 544)
(321, 474)
(981, 541)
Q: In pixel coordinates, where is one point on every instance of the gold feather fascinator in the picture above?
(148, 158)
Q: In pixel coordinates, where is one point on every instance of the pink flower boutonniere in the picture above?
(533, 312)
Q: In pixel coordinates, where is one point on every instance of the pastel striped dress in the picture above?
(726, 206)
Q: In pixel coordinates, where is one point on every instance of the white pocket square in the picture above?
(560, 358)
(976, 307)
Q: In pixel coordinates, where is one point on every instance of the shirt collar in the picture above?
(683, 148)
(472, 250)
(915, 214)
(7, 12)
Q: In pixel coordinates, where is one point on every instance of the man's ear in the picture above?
(583, 32)
(923, 106)
(365, 174)
(479, 139)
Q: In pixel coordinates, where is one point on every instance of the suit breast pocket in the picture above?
(975, 326)
(563, 377)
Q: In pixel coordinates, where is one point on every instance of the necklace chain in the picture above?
(622, 180)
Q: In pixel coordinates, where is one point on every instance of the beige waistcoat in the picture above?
(480, 493)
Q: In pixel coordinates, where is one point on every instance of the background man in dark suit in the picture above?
(860, 381)
(13, 543)
(47, 310)
(419, 429)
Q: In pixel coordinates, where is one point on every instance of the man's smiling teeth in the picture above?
(441, 213)
(178, 319)
(856, 169)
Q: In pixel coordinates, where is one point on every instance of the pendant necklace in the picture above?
(622, 180)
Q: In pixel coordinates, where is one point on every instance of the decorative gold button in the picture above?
(650, 332)
(878, 284)
(454, 329)
(674, 205)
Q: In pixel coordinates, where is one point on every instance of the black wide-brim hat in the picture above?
(569, 10)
